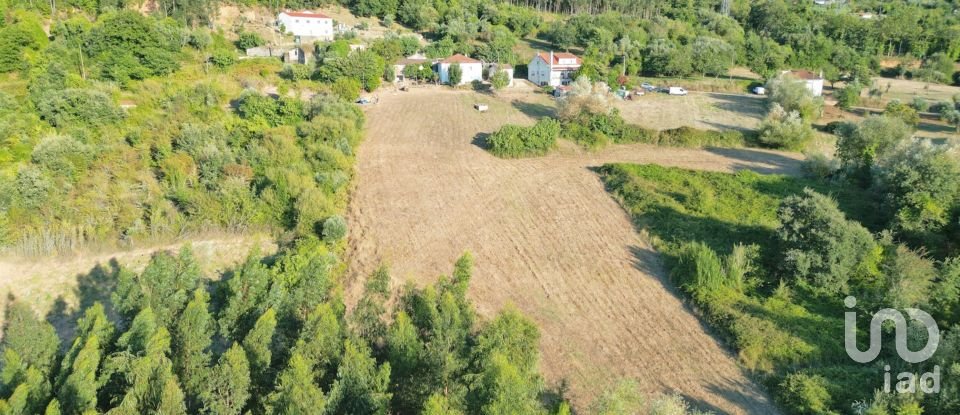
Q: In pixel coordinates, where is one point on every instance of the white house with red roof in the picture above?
(306, 24)
(813, 81)
(554, 68)
(471, 69)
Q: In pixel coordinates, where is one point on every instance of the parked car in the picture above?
(648, 86)
(759, 90)
(363, 101)
(676, 90)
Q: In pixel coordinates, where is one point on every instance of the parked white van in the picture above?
(676, 90)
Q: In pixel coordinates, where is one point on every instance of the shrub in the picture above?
(249, 40)
(223, 57)
(517, 141)
(334, 229)
(820, 166)
(200, 39)
(902, 111)
(793, 95)
(78, 106)
(500, 80)
(346, 88)
(295, 72)
(849, 96)
(805, 394)
(455, 74)
(784, 130)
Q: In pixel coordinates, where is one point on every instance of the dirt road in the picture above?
(546, 238)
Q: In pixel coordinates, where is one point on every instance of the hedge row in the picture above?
(513, 141)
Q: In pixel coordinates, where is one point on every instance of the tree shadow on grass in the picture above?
(780, 164)
(534, 110)
(94, 286)
(480, 140)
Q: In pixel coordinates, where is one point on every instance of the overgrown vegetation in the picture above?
(512, 141)
(769, 259)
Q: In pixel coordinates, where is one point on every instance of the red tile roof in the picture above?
(559, 55)
(307, 15)
(458, 58)
(805, 75)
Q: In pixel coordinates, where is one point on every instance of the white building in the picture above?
(813, 81)
(553, 69)
(471, 69)
(305, 24)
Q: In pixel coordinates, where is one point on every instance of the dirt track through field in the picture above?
(546, 238)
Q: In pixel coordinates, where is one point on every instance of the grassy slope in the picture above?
(774, 330)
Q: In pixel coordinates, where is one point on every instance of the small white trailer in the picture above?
(481, 107)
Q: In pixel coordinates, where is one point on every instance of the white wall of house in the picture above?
(815, 86)
(313, 27)
(539, 72)
(542, 73)
(471, 72)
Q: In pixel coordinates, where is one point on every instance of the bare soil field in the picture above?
(55, 286)
(546, 238)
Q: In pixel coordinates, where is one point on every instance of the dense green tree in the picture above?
(78, 106)
(259, 346)
(321, 341)
(823, 250)
(34, 341)
(369, 312)
(663, 57)
(805, 394)
(712, 56)
(908, 277)
(26, 33)
(362, 386)
(93, 324)
(296, 392)
(438, 404)
(765, 56)
(945, 295)
(191, 343)
(79, 391)
(404, 353)
(504, 388)
(152, 387)
(920, 182)
(165, 286)
(131, 46)
(228, 388)
(246, 294)
(455, 74)
(861, 145)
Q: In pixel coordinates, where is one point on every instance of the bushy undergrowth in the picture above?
(595, 131)
(513, 141)
(763, 269)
